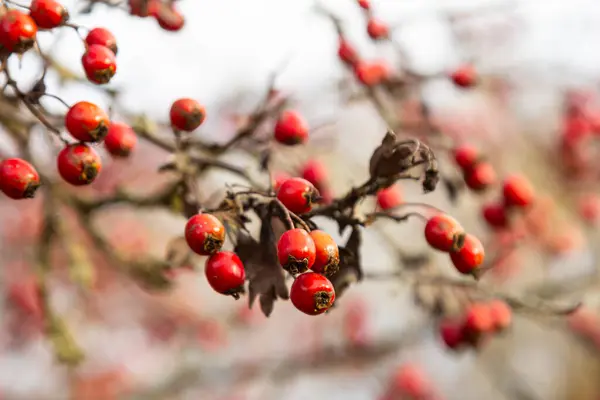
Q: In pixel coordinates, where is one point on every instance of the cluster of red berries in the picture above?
(479, 322)
(517, 193)
(165, 13)
(444, 233)
(100, 60)
(477, 172)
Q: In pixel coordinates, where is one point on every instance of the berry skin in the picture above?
(169, 18)
(79, 164)
(480, 176)
(495, 215)
(291, 128)
(120, 140)
(297, 195)
(501, 314)
(99, 64)
(364, 4)
(389, 198)
(316, 173)
(517, 191)
(466, 156)
(377, 30)
(48, 14)
(18, 179)
(347, 53)
(205, 234)
(470, 256)
(102, 37)
(464, 77)
(17, 31)
(87, 122)
(444, 233)
(327, 253)
(296, 251)
(312, 293)
(225, 273)
(187, 114)
(478, 321)
(451, 332)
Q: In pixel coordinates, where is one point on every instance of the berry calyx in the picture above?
(18, 179)
(205, 234)
(517, 191)
(389, 198)
(102, 37)
(444, 233)
(17, 31)
(464, 76)
(377, 30)
(296, 251)
(169, 18)
(225, 273)
(291, 128)
(79, 164)
(468, 258)
(87, 122)
(347, 53)
(327, 254)
(466, 156)
(120, 140)
(99, 64)
(48, 14)
(480, 176)
(312, 293)
(495, 215)
(187, 114)
(298, 195)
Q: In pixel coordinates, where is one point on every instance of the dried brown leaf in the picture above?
(392, 156)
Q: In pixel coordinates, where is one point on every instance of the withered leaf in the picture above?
(232, 220)
(350, 270)
(178, 252)
(392, 156)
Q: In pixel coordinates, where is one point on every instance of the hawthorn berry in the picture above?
(279, 178)
(17, 31)
(464, 76)
(478, 321)
(389, 198)
(48, 14)
(79, 164)
(466, 156)
(291, 128)
(364, 4)
(410, 380)
(589, 208)
(470, 256)
(205, 234)
(87, 122)
(480, 176)
(501, 314)
(298, 195)
(18, 179)
(495, 215)
(377, 30)
(102, 37)
(444, 233)
(347, 53)
(169, 18)
(316, 173)
(371, 73)
(187, 114)
(120, 140)
(296, 251)
(327, 253)
(99, 64)
(517, 191)
(144, 8)
(225, 273)
(451, 331)
(312, 293)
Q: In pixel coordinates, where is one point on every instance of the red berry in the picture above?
(120, 140)
(187, 114)
(297, 195)
(465, 76)
(444, 233)
(99, 64)
(79, 164)
(169, 18)
(371, 73)
(291, 128)
(478, 321)
(389, 198)
(87, 122)
(410, 380)
(316, 173)
(470, 256)
(501, 314)
(347, 53)
(377, 30)
(312, 293)
(296, 251)
(327, 254)
(466, 156)
(279, 178)
(225, 273)
(495, 215)
(589, 208)
(102, 37)
(17, 31)
(517, 191)
(480, 176)
(48, 14)
(452, 333)
(364, 4)
(143, 8)
(18, 179)
(205, 234)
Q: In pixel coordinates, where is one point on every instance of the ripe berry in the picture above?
(470, 256)
(102, 37)
(452, 333)
(364, 4)
(99, 64)
(187, 114)
(291, 128)
(501, 314)
(48, 14)
(297, 195)
(316, 173)
(225, 273)
(495, 215)
(465, 76)
(79, 164)
(347, 53)
(17, 31)
(87, 122)
(18, 179)
(143, 8)
(589, 208)
(120, 140)
(296, 251)
(478, 321)
(327, 254)
(389, 198)
(169, 18)
(517, 191)
(444, 233)
(466, 156)
(377, 30)
(205, 234)
(312, 293)
(371, 73)
(410, 380)
(480, 176)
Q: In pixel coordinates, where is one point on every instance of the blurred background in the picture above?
(535, 62)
